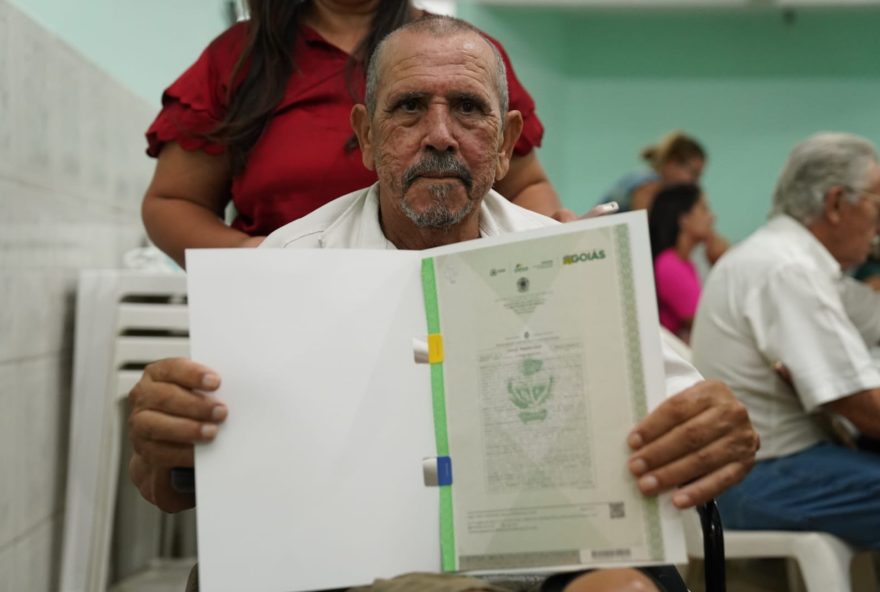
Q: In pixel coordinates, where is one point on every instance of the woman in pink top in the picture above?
(679, 220)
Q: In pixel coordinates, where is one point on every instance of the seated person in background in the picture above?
(780, 299)
(677, 158)
(679, 220)
(437, 130)
(261, 120)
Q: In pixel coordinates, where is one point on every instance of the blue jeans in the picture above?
(825, 488)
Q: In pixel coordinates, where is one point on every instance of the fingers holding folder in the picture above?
(700, 441)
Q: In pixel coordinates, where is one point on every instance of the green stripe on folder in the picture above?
(447, 528)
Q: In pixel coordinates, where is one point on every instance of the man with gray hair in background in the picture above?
(790, 334)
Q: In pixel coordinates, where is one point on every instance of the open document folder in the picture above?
(344, 458)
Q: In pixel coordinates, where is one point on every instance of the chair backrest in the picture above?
(124, 320)
(152, 323)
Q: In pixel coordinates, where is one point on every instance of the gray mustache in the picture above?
(437, 163)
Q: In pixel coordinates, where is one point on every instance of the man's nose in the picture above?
(439, 129)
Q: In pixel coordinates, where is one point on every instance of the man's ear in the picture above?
(513, 124)
(360, 123)
(833, 199)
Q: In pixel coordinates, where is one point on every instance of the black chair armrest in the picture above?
(713, 546)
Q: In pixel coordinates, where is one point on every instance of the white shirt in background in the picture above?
(781, 296)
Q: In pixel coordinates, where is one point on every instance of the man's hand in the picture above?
(699, 441)
(171, 410)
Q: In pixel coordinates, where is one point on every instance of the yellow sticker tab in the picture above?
(435, 348)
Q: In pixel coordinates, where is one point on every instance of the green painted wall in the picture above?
(749, 83)
(144, 44)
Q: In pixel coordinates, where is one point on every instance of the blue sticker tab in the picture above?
(444, 470)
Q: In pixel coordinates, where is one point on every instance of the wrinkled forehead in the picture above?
(412, 53)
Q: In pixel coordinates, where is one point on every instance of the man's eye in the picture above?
(409, 105)
(468, 106)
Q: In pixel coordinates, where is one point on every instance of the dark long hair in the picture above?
(260, 75)
(671, 203)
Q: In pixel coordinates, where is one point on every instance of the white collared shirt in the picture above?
(352, 222)
(780, 296)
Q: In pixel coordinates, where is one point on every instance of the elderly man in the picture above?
(436, 129)
(790, 334)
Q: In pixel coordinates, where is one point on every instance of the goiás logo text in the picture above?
(594, 255)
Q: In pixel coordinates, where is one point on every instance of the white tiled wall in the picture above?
(72, 172)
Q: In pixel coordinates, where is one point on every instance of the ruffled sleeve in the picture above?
(194, 104)
(521, 100)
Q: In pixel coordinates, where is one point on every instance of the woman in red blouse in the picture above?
(267, 128)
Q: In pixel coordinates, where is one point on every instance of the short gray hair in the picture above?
(816, 165)
(436, 26)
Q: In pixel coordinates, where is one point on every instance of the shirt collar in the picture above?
(314, 39)
(358, 226)
(815, 250)
(311, 36)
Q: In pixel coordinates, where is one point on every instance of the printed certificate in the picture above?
(543, 374)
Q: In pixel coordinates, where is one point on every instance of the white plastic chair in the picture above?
(824, 560)
(124, 320)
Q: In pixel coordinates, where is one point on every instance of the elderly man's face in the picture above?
(437, 139)
(859, 222)
(856, 223)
